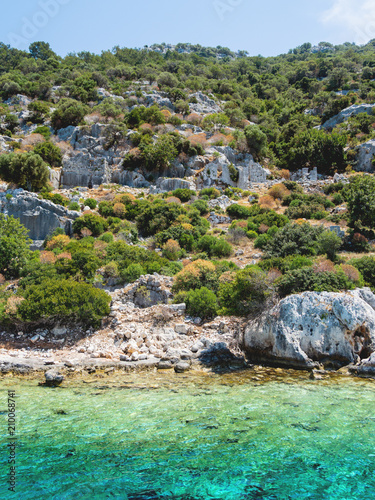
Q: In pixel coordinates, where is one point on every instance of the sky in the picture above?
(266, 27)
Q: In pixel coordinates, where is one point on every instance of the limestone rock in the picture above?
(365, 155)
(346, 113)
(53, 378)
(40, 217)
(204, 104)
(312, 327)
(182, 366)
(164, 185)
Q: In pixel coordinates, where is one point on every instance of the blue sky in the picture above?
(266, 27)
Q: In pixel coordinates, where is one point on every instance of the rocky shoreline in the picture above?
(318, 332)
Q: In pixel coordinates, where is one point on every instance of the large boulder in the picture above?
(346, 113)
(302, 330)
(365, 155)
(40, 217)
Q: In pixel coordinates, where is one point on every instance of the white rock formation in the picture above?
(311, 327)
(346, 113)
(365, 156)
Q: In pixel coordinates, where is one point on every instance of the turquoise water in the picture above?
(267, 435)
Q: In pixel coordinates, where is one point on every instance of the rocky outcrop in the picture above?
(148, 290)
(305, 175)
(346, 113)
(231, 169)
(365, 156)
(302, 330)
(164, 185)
(40, 217)
(204, 104)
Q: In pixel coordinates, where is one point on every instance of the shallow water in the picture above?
(266, 435)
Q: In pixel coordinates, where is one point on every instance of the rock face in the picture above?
(365, 156)
(309, 328)
(40, 217)
(164, 184)
(231, 169)
(204, 104)
(148, 291)
(346, 113)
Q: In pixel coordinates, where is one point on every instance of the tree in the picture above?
(69, 112)
(256, 141)
(317, 148)
(360, 197)
(41, 50)
(50, 153)
(28, 170)
(14, 246)
(329, 243)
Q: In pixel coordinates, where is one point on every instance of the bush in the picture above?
(256, 141)
(77, 302)
(195, 275)
(96, 224)
(74, 206)
(14, 246)
(158, 216)
(91, 203)
(50, 153)
(106, 237)
(329, 243)
(238, 211)
(307, 279)
(211, 192)
(294, 239)
(132, 273)
(28, 170)
(201, 206)
(246, 293)
(366, 266)
(69, 112)
(201, 303)
(171, 250)
(183, 194)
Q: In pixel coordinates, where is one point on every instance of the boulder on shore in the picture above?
(54, 378)
(306, 329)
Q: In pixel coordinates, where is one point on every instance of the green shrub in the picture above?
(132, 273)
(366, 266)
(96, 224)
(28, 170)
(106, 237)
(246, 294)
(201, 206)
(329, 243)
(211, 192)
(74, 206)
(69, 112)
(201, 303)
(14, 246)
(50, 153)
(294, 239)
(91, 203)
(238, 211)
(77, 302)
(183, 194)
(307, 279)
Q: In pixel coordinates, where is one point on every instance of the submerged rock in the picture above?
(302, 330)
(54, 378)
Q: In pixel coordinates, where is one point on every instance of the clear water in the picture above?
(267, 435)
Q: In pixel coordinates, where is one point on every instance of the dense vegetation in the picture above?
(270, 107)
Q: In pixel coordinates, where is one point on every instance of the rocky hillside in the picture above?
(198, 187)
